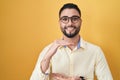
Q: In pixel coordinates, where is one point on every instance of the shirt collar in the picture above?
(81, 44)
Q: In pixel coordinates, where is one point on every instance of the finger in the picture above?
(64, 43)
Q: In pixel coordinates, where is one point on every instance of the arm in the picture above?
(52, 50)
(101, 68)
(44, 60)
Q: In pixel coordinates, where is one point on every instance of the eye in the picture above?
(75, 18)
(64, 19)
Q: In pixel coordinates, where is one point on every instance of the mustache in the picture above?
(69, 27)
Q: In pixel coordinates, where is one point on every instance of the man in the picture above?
(71, 58)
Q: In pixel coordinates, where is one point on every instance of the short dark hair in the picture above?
(70, 6)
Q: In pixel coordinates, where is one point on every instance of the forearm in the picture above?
(45, 64)
(64, 77)
(46, 60)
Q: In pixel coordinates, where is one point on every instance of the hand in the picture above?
(58, 76)
(57, 43)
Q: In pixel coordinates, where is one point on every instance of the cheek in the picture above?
(62, 25)
(78, 24)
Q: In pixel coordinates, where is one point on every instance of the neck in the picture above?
(74, 40)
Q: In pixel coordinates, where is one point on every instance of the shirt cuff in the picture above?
(45, 75)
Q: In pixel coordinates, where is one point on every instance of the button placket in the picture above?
(71, 64)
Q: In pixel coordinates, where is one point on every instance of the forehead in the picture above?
(69, 12)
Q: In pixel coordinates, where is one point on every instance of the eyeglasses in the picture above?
(65, 19)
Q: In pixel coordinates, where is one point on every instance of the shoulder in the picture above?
(87, 44)
(46, 47)
(44, 51)
(91, 47)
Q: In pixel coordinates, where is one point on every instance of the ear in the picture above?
(80, 20)
(59, 21)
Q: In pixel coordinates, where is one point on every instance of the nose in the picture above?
(69, 22)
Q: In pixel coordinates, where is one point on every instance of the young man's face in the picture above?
(70, 22)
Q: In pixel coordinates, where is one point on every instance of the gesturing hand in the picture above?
(56, 44)
(57, 76)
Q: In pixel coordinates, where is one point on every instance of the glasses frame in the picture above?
(70, 18)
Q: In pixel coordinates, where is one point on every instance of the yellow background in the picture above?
(27, 26)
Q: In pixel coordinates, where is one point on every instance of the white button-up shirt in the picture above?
(85, 60)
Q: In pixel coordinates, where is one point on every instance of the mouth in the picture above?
(70, 29)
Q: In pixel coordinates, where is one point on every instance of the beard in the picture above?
(70, 35)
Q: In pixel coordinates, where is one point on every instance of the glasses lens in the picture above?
(64, 19)
(75, 19)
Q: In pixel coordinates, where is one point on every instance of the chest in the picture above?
(78, 62)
